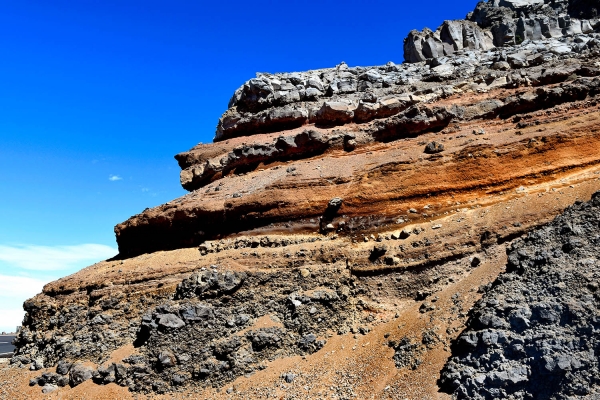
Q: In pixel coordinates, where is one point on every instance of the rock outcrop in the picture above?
(454, 97)
(449, 38)
(339, 228)
(504, 23)
(534, 333)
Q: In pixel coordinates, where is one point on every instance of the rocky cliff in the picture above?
(342, 225)
(535, 332)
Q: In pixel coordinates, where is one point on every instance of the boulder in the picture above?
(335, 113)
(434, 147)
(170, 321)
(80, 373)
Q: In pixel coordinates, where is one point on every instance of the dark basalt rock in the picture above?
(434, 147)
(534, 332)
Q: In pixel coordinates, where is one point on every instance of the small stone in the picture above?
(390, 260)
(79, 374)
(37, 364)
(307, 341)
(49, 388)
(426, 307)
(378, 251)
(336, 202)
(63, 367)
(304, 272)
(289, 377)
(166, 359)
(170, 321)
(501, 66)
(434, 147)
(475, 261)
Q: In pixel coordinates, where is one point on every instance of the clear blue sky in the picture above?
(97, 96)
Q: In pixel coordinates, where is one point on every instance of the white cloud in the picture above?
(14, 290)
(114, 178)
(50, 262)
(20, 286)
(53, 258)
(10, 318)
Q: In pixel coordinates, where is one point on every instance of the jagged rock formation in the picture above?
(447, 98)
(449, 38)
(337, 230)
(502, 23)
(535, 332)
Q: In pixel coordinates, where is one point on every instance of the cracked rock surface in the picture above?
(534, 334)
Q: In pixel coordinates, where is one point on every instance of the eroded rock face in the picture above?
(533, 335)
(223, 203)
(469, 82)
(449, 38)
(368, 203)
(501, 24)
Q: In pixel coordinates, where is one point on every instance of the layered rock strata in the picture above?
(278, 124)
(317, 163)
(341, 225)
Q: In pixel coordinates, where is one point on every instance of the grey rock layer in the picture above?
(501, 23)
(498, 35)
(534, 334)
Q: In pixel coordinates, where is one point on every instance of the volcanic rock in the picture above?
(538, 318)
(316, 218)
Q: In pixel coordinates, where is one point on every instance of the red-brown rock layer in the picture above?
(342, 225)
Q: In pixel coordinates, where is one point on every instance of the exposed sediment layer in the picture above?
(550, 132)
(342, 226)
(261, 298)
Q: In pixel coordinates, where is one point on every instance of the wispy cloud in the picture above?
(48, 262)
(53, 258)
(14, 290)
(20, 286)
(10, 318)
(114, 178)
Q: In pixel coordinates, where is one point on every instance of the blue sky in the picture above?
(97, 96)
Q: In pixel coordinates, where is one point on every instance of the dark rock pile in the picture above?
(83, 330)
(535, 333)
(219, 310)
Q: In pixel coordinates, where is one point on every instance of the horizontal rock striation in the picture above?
(344, 222)
(224, 202)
